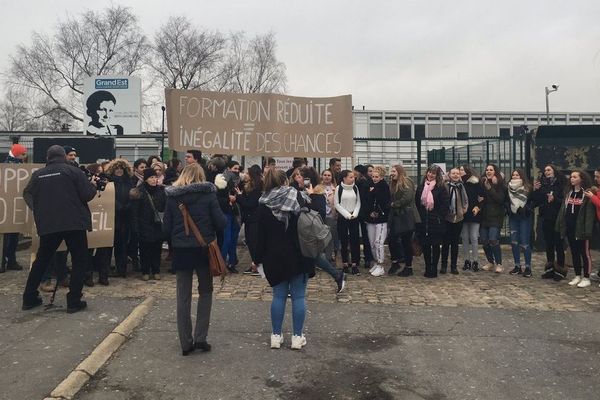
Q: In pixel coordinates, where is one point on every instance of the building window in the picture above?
(391, 131)
(462, 135)
(504, 133)
(419, 131)
(376, 131)
(405, 132)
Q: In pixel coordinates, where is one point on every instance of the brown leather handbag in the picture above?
(215, 259)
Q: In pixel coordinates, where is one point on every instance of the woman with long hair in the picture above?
(199, 196)
(120, 173)
(520, 220)
(328, 183)
(548, 195)
(472, 220)
(347, 205)
(247, 199)
(492, 217)
(403, 219)
(575, 221)
(432, 202)
(278, 250)
(146, 208)
(459, 203)
(377, 215)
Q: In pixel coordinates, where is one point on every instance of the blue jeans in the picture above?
(296, 287)
(323, 263)
(520, 238)
(490, 237)
(230, 239)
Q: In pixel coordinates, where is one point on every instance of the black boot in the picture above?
(443, 269)
(32, 303)
(203, 346)
(76, 306)
(394, 268)
(475, 266)
(454, 270)
(467, 265)
(407, 271)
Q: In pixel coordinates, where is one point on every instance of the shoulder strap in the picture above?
(188, 223)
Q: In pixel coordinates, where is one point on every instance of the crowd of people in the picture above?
(364, 208)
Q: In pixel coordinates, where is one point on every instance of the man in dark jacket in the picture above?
(58, 195)
(16, 155)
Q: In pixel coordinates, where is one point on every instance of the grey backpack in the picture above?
(313, 234)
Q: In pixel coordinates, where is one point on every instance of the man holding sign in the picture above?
(58, 195)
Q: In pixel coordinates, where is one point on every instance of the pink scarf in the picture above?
(427, 196)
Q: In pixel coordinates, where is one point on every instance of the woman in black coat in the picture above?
(472, 220)
(279, 252)
(247, 199)
(200, 199)
(147, 209)
(377, 209)
(548, 195)
(432, 202)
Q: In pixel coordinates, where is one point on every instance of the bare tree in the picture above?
(186, 57)
(14, 114)
(252, 65)
(94, 43)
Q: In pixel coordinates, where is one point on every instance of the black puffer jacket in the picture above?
(549, 211)
(202, 204)
(474, 192)
(143, 217)
(433, 223)
(58, 195)
(379, 200)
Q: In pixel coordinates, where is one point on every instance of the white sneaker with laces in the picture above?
(585, 282)
(276, 341)
(379, 271)
(488, 267)
(298, 342)
(499, 269)
(575, 280)
(373, 268)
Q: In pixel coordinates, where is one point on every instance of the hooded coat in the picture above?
(201, 202)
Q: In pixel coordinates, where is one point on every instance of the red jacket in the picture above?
(596, 201)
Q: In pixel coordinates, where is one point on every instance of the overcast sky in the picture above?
(395, 55)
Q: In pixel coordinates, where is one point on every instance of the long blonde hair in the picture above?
(192, 173)
(402, 182)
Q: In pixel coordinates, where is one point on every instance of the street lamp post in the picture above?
(162, 132)
(548, 91)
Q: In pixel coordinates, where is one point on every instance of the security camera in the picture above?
(555, 87)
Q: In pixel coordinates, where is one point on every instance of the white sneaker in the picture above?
(585, 282)
(379, 271)
(276, 341)
(498, 269)
(298, 342)
(373, 268)
(575, 280)
(488, 267)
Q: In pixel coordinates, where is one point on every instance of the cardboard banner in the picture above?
(259, 124)
(102, 208)
(15, 216)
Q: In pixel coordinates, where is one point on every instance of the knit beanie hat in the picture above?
(69, 149)
(148, 172)
(55, 152)
(18, 150)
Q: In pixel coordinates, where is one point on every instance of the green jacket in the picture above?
(585, 220)
(404, 199)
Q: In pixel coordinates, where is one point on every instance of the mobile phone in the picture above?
(307, 182)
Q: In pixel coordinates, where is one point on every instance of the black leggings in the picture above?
(554, 243)
(450, 244)
(401, 247)
(348, 232)
(580, 250)
(431, 254)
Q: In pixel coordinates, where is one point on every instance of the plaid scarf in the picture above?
(282, 201)
(517, 194)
